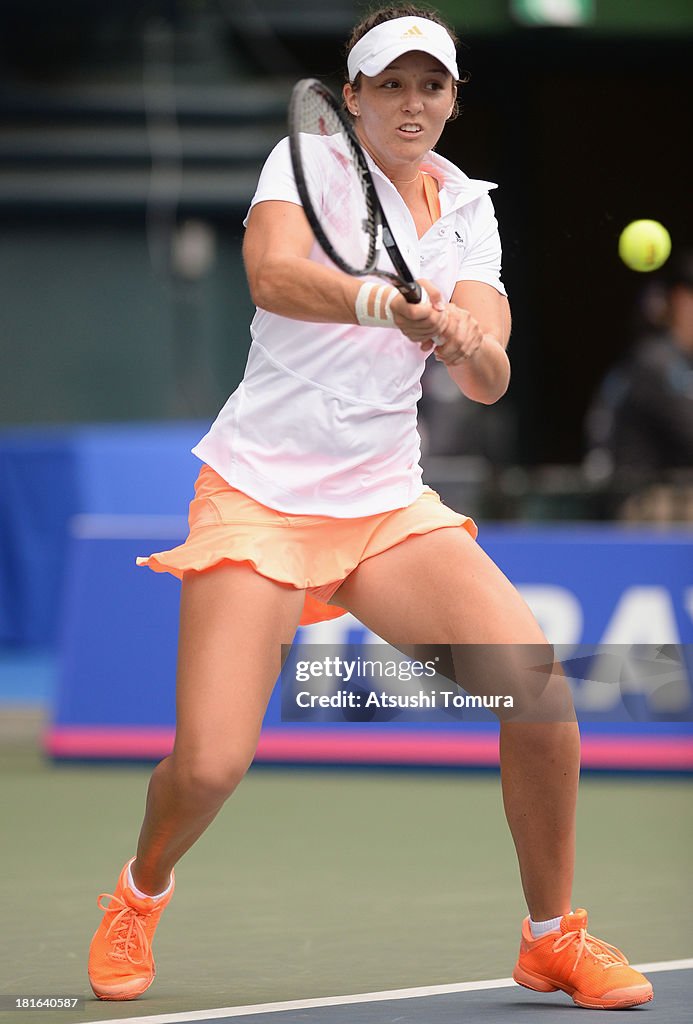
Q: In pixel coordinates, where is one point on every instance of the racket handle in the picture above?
(426, 298)
(422, 297)
(414, 295)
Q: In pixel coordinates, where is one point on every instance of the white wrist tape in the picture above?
(373, 305)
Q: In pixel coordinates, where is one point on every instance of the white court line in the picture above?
(363, 997)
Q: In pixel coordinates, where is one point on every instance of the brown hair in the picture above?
(382, 14)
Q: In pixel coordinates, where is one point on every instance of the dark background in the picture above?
(583, 129)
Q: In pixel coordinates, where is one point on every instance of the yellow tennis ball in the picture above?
(644, 245)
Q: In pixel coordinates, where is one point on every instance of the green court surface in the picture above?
(315, 883)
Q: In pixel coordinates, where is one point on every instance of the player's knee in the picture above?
(544, 694)
(525, 680)
(209, 781)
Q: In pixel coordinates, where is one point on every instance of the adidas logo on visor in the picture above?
(413, 31)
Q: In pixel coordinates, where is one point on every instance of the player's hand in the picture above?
(421, 321)
(459, 339)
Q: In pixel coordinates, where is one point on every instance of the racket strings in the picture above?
(336, 186)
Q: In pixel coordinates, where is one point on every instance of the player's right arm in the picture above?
(284, 280)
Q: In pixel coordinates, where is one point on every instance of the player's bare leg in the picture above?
(461, 597)
(233, 622)
(232, 625)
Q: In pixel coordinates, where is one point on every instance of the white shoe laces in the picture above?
(129, 933)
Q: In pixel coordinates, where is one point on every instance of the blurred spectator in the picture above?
(451, 424)
(641, 422)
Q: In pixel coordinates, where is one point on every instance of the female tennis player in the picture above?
(310, 502)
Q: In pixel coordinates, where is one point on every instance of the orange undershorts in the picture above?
(311, 553)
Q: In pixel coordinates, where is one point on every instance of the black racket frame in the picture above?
(377, 225)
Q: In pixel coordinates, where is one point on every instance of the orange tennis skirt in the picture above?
(311, 553)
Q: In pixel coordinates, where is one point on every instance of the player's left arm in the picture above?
(474, 341)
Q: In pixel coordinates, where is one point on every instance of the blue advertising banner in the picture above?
(628, 591)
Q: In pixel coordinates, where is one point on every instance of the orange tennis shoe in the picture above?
(594, 973)
(121, 964)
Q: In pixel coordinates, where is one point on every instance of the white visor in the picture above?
(388, 41)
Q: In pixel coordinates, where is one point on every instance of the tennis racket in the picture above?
(337, 191)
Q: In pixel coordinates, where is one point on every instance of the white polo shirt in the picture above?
(324, 421)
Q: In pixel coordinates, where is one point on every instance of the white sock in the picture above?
(542, 927)
(144, 895)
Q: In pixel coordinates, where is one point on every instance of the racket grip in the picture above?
(415, 294)
(426, 298)
(423, 297)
